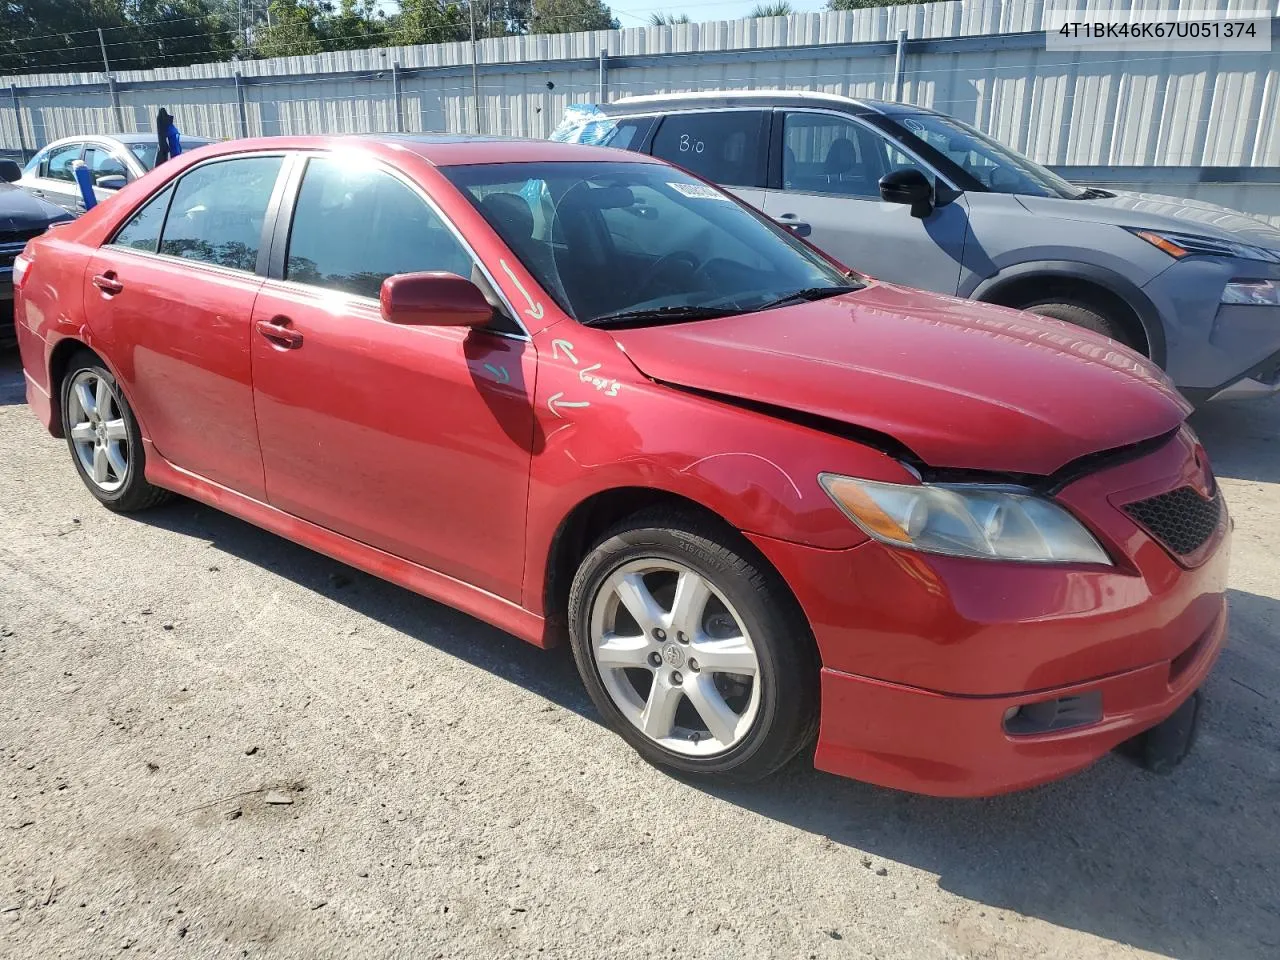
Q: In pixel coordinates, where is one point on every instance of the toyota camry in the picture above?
(772, 504)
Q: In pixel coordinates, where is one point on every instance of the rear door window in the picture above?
(218, 211)
(727, 146)
(142, 231)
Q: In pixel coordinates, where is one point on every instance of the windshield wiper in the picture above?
(660, 315)
(1093, 193)
(809, 294)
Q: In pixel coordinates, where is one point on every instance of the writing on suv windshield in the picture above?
(632, 243)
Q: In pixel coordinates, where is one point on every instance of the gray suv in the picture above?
(919, 198)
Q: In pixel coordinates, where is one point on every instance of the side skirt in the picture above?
(481, 604)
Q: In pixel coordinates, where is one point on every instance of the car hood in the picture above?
(1150, 211)
(961, 384)
(20, 210)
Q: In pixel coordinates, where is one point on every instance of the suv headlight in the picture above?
(1261, 293)
(965, 520)
(1179, 245)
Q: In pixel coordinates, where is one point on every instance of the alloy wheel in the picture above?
(98, 431)
(674, 657)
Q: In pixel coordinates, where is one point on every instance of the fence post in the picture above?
(602, 95)
(899, 65)
(17, 116)
(475, 76)
(244, 117)
(399, 96)
(115, 104)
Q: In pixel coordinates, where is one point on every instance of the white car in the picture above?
(114, 160)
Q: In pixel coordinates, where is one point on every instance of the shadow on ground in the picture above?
(1182, 865)
(12, 388)
(1242, 437)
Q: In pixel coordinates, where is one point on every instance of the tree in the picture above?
(429, 21)
(570, 16)
(779, 9)
(36, 35)
(869, 4)
(294, 29)
(667, 19)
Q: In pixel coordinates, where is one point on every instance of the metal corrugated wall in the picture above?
(1189, 109)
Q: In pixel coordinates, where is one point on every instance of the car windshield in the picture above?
(990, 162)
(642, 242)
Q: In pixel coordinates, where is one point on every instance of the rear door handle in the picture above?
(277, 331)
(793, 223)
(107, 283)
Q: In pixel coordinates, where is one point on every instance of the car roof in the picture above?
(701, 99)
(125, 138)
(443, 150)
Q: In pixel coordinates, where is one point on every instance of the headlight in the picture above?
(1264, 293)
(1179, 245)
(965, 520)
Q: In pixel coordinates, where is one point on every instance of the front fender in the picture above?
(602, 426)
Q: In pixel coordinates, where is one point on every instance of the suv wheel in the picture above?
(1082, 316)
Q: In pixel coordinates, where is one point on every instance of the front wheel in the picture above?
(692, 650)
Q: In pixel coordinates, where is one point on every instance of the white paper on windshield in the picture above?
(697, 191)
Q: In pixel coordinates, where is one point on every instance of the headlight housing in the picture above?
(965, 520)
(1179, 245)
(1258, 293)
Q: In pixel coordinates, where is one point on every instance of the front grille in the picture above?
(1181, 519)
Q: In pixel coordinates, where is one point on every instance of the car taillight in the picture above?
(21, 268)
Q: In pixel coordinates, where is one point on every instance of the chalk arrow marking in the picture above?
(554, 403)
(535, 309)
(563, 346)
(499, 372)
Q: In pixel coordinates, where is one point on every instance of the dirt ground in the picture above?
(214, 743)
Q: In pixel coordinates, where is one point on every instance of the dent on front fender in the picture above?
(757, 473)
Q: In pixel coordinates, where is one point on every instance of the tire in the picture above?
(745, 615)
(109, 442)
(1081, 316)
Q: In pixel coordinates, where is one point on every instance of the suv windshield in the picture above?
(988, 161)
(642, 242)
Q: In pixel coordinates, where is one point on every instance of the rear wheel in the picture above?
(693, 651)
(1082, 315)
(105, 442)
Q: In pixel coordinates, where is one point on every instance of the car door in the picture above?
(172, 296)
(415, 440)
(729, 147)
(53, 179)
(831, 165)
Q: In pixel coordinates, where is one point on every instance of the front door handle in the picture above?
(107, 283)
(793, 223)
(277, 331)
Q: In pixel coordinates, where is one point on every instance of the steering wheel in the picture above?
(676, 256)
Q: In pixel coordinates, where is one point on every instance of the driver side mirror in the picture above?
(908, 186)
(110, 181)
(10, 172)
(433, 300)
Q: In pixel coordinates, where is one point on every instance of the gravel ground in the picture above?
(215, 743)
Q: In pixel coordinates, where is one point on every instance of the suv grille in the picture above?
(11, 244)
(1181, 519)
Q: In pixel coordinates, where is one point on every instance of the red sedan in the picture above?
(578, 392)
